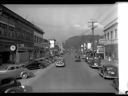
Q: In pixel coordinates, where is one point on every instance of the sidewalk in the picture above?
(106, 61)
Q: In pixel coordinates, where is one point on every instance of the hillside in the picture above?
(76, 41)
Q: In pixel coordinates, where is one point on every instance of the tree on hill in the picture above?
(76, 41)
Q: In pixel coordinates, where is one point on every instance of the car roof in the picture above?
(111, 65)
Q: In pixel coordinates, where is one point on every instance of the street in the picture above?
(74, 77)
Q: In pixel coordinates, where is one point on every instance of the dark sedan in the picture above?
(109, 71)
(11, 85)
(77, 58)
(96, 63)
(34, 65)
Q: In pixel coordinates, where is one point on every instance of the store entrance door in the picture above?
(4, 57)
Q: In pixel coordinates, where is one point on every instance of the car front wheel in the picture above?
(24, 75)
(14, 90)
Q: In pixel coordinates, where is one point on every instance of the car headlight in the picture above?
(95, 64)
(23, 86)
(111, 72)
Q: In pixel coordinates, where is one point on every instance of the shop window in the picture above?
(111, 34)
(34, 38)
(108, 35)
(116, 33)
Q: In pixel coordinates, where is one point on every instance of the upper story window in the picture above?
(108, 35)
(116, 33)
(111, 34)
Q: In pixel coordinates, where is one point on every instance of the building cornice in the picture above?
(7, 11)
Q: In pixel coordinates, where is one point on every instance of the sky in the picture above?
(63, 21)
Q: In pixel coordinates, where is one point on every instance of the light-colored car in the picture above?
(14, 71)
(60, 63)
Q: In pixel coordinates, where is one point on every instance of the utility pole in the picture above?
(92, 28)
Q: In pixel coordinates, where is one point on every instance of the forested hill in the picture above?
(76, 41)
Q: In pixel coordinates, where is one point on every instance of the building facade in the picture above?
(38, 43)
(110, 40)
(17, 37)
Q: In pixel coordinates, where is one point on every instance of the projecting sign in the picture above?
(52, 43)
(12, 47)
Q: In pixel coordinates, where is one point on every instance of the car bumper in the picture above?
(60, 65)
(107, 76)
(95, 66)
(23, 88)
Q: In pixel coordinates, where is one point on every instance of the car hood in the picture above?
(3, 71)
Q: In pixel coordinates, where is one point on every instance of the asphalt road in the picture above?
(74, 77)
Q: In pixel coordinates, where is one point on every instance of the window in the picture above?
(34, 38)
(111, 34)
(116, 33)
(108, 35)
(11, 68)
(105, 36)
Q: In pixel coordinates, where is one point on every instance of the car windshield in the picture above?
(110, 68)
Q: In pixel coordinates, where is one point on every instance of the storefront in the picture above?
(111, 51)
(24, 54)
(7, 53)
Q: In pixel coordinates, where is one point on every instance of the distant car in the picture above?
(15, 72)
(60, 63)
(77, 58)
(83, 56)
(11, 85)
(109, 71)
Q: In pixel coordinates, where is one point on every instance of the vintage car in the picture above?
(60, 63)
(109, 71)
(77, 58)
(15, 71)
(34, 65)
(96, 63)
(11, 85)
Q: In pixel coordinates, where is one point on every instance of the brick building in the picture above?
(16, 33)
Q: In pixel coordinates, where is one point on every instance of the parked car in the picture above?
(15, 71)
(11, 85)
(83, 56)
(96, 63)
(45, 62)
(116, 83)
(89, 59)
(109, 71)
(36, 64)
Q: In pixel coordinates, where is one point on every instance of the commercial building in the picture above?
(38, 43)
(16, 37)
(110, 40)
